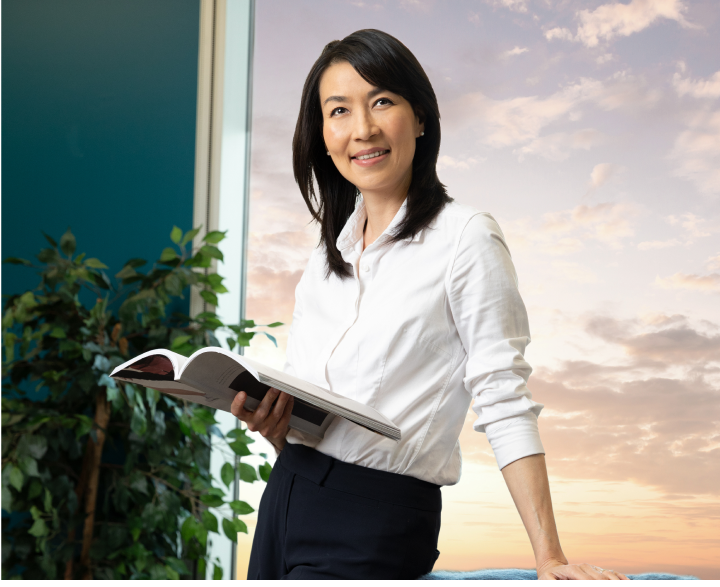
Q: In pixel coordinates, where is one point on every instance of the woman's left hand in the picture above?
(557, 571)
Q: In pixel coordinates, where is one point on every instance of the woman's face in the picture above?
(369, 132)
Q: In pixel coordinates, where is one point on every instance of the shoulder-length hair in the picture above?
(386, 63)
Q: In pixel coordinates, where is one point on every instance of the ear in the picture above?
(419, 119)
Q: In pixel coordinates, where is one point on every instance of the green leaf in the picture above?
(29, 466)
(227, 473)
(272, 338)
(39, 529)
(247, 473)
(209, 521)
(16, 477)
(212, 251)
(168, 254)
(47, 502)
(175, 235)
(126, 272)
(16, 261)
(212, 501)
(241, 508)
(177, 565)
(189, 235)
(136, 262)
(7, 499)
(265, 469)
(138, 424)
(240, 448)
(58, 332)
(83, 426)
(34, 444)
(217, 573)
(198, 425)
(189, 528)
(179, 341)
(95, 263)
(67, 243)
(229, 529)
(247, 323)
(35, 489)
(50, 239)
(274, 324)
(214, 237)
(209, 297)
(240, 526)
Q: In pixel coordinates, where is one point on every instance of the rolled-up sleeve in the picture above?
(492, 322)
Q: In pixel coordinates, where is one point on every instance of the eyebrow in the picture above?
(371, 94)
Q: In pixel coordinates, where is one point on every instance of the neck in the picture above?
(381, 208)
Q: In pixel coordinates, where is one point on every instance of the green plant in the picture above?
(113, 479)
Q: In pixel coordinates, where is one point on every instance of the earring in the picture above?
(328, 152)
(422, 133)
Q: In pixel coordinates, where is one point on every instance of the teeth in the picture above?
(372, 155)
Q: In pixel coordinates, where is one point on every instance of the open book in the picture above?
(213, 376)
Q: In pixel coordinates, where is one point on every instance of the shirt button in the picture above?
(365, 267)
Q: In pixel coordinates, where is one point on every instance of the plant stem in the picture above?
(102, 416)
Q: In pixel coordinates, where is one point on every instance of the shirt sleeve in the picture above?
(492, 322)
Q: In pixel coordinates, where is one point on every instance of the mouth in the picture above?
(371, 155)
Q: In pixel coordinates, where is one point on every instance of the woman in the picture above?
(410, 305)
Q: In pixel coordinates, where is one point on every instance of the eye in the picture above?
(336, 111)
(385, 100)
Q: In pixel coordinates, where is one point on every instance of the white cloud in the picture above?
(571, 271)
(604, 58)
(713, 263)
(514, 5)
(600, 174)
(447, 162)
(699, 88)
(516, 51)
(519, 122)
(653, 245)
(557, 146)
(697, 152)
(620, 20)
(566, 231)
(705, 283)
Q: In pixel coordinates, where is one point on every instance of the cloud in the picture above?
(571, 271)
(519, 122)
(558, 146)
(697, 152)
(705, 283)
(629, 420)
(700, 88)
(619, 20)
(713, 263)
(514, 5)
(566, 231)
(653, 245)
(515, 51)
(694, 226)
(600, 174)
(447, 162)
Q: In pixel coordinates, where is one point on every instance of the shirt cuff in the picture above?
(514, 438)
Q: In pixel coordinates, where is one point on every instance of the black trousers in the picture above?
(320, 518)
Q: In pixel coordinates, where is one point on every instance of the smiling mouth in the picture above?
(372, 155)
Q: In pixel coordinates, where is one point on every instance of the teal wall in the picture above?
(98, 126)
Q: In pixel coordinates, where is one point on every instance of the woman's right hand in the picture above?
(271, 422)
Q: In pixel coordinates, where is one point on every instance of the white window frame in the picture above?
(222, 180)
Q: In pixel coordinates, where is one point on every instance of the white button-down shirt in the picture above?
(424, 327)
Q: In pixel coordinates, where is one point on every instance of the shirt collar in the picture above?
(352, 232)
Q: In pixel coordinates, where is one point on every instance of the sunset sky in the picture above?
(591, 131)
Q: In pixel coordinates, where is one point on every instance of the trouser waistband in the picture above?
(382, 486)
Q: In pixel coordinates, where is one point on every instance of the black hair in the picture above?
(384, 62)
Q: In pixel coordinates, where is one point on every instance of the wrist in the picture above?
(548, 561)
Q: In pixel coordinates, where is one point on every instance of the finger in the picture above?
(263, 409)
(612, 575)
(281, 428)
(593, 572)
(268, 425)
(237, 407)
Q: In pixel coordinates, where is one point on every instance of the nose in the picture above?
(365, 126)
